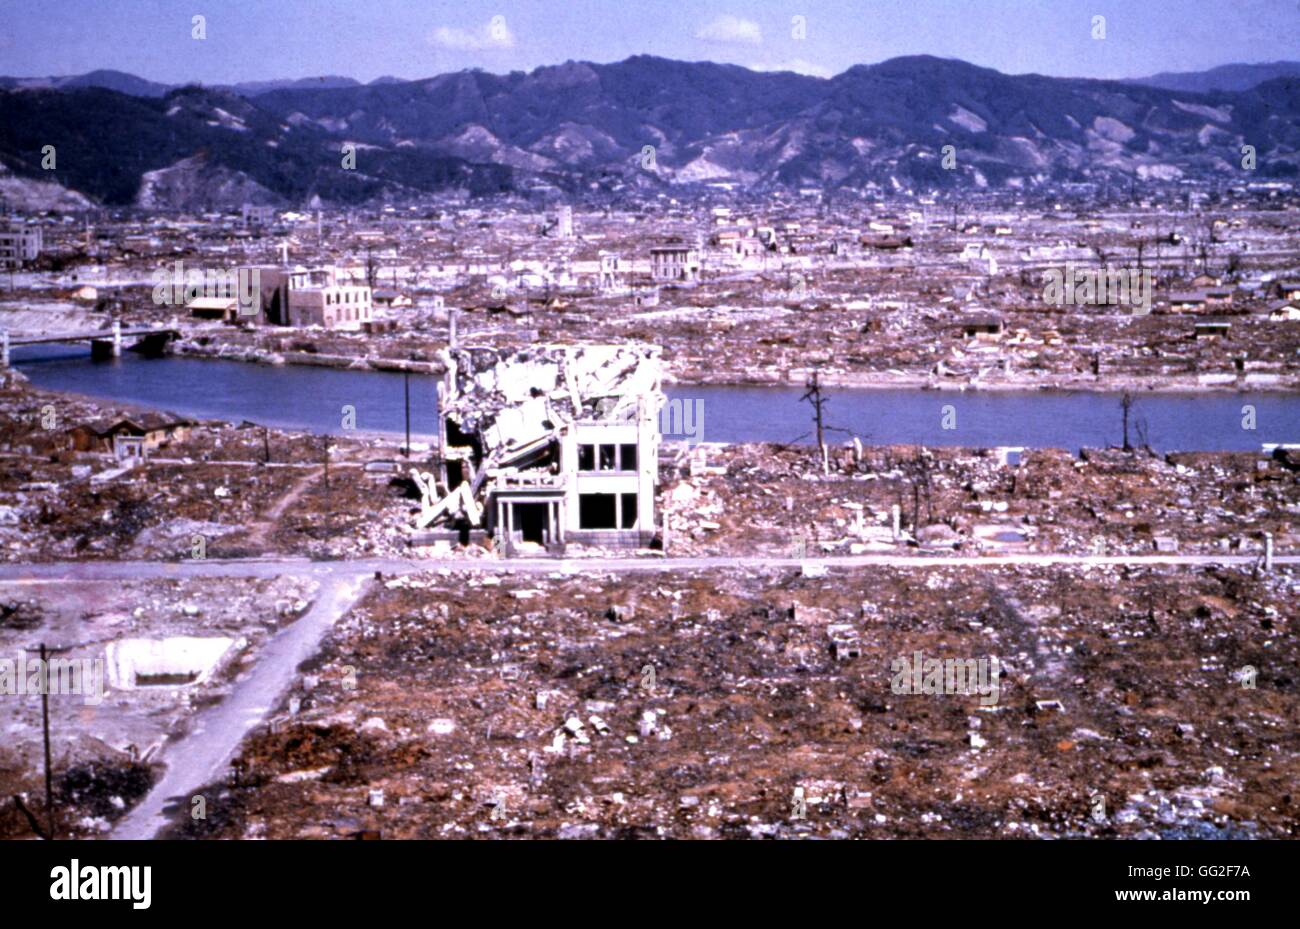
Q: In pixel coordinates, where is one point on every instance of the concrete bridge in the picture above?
(104, 343)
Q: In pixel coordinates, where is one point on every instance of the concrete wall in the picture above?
(176, 656)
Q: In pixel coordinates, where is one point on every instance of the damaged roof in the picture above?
(514, 397)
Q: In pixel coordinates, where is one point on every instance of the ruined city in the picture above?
(942, 482)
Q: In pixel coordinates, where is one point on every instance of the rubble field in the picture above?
(768, 499)
(212, 483)
(1135, 703)
(742, 334)
(157, 650)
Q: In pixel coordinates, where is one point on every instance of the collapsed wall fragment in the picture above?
(547, 445)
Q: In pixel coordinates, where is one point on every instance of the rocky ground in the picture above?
(747, 499)
(211, 493)
(105, 738)
(1134, 703)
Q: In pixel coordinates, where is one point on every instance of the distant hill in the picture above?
(119, 81)
(1228, 77)
(588, 127)
(139, 87)
(253, 88)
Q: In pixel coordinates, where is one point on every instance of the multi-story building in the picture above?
(18, 245)
(548, 445)
(564, 222)
(255, 215)
(313, 297)
(675, 263)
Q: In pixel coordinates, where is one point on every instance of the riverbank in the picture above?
(332, 399)
(260, 491)
(860, 380)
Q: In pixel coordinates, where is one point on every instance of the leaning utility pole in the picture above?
(406, 385)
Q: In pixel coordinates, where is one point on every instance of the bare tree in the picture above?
(1142, 432)
(813, 395)
(372, 269)
(918, 470)
(1234, 266)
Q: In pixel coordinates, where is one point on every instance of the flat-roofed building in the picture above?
(313, 297)
(19, 245)
(675, 263)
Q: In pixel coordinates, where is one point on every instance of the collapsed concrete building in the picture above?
(546, 446)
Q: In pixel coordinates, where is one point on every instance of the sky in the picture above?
(250, 40)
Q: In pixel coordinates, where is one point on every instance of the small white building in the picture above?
(313, 297)
(564, 222)
(255, 215)
(1284, 311)
(19, 244)
(675, 263)
(610, 273)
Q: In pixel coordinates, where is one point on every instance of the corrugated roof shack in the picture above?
(548, 445)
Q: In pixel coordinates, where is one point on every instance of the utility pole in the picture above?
(814, 396)
(266, 445)
(406, 386)
(1126, 405)
(45, 725)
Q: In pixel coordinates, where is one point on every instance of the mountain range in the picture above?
(644, 124)
(1225, 77)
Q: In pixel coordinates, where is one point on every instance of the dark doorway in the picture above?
(529, 520)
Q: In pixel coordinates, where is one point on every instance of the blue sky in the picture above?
(263, 39)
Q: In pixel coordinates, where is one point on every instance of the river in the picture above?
(312, 399)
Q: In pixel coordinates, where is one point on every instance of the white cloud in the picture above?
(496, 34)
(798, 66)
(731, 30)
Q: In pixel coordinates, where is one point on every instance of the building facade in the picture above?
(313, 297)
(19, 245)
(548, 446)
(675, 263)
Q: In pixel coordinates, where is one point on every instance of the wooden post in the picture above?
(45, 725)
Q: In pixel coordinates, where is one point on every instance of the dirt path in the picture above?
(264, 526)
(202, 757)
